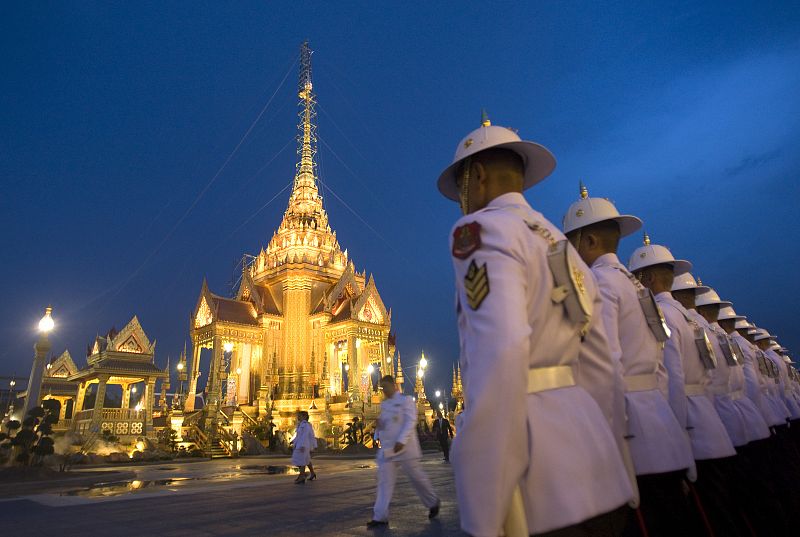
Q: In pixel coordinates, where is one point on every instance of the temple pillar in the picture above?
(99, 401)
(81, 395)
(194, 373)
(352, 362)
(149, 401)
(126, 396)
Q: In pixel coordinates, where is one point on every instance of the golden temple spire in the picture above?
(485, 119)
(305, 199)
(646, 239)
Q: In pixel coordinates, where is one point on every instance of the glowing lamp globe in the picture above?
(180, 366)
(420, 372)
(438, 393)
(370, 369)
(228, 346)
(441, 406)
(46, 324)
(423, 363)
(238, 370)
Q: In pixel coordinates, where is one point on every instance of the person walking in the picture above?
(399, 446)
(443, 432)
(304, 441)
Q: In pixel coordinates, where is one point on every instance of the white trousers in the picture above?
(387, 476)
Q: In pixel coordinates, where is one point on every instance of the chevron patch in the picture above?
(476, 284)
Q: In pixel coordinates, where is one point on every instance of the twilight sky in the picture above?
(115, 121)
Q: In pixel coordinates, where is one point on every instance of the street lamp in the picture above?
(46, 324)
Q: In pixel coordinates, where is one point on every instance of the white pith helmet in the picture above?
(728, 313)
(655, 254)
(537, 160)
(710, 298)
(774, 347)
(762, 334)
(587, 211)
(686, 281)
(752, 332)
(742, 324)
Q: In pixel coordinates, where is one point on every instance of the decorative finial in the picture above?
(584, 191)
(699, 282)
(485, 119)
(646, 239)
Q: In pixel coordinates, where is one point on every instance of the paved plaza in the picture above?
(226, 497)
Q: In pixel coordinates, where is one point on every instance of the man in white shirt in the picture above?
(399, 446)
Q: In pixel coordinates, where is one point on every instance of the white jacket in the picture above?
(657, 442)
(696, 412)
(556, 444)
(398, 423)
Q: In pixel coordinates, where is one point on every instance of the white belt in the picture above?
(695, 389)
(550, 378)
(738, 394)
(640, 383)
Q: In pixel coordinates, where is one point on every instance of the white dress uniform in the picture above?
(772, 390)
(303, 438)
(718, 388)
(398, 423)
(783, 381)
(755, 427)
(657, 442)
(755, 382)
(538, 403)
(688, 382)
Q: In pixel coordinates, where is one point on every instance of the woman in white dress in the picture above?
(304, 441)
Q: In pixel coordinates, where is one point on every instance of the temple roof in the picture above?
(235, 311)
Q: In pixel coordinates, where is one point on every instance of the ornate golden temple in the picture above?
(305, 330)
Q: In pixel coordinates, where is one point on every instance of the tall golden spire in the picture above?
(304, 235)
(305, 199)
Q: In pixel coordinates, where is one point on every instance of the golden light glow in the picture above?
(46, 324)
(228, 346)
(423, 363)
(370, 369)
(180, 366)
(420, 373)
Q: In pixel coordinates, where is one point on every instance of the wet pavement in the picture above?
(247, 496)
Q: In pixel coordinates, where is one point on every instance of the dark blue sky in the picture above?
(113, 119)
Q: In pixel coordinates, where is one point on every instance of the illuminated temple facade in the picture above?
(304, 327)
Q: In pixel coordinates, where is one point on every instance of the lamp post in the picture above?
(40, 348)
(181, 377)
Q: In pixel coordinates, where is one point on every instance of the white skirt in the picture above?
(301, 459)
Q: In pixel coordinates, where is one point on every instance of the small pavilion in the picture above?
(124, 358)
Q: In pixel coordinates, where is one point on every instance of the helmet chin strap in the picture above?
(463, 195)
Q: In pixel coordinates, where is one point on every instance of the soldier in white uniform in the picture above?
(636, 331)
(399, 446)
(524, 299)
(767, 481)
(688, 358)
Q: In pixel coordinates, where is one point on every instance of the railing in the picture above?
(117, 414)
(248, 418)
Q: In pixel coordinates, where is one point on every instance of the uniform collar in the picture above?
(508, 199)
(607, 260)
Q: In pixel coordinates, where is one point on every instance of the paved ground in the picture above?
(232, 497)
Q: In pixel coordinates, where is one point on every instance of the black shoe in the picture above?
(377, 523)
(300, 480)
(434, 510)
(313, 476)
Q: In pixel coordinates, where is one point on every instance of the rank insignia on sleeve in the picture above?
(466, 239)
(476, 284)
